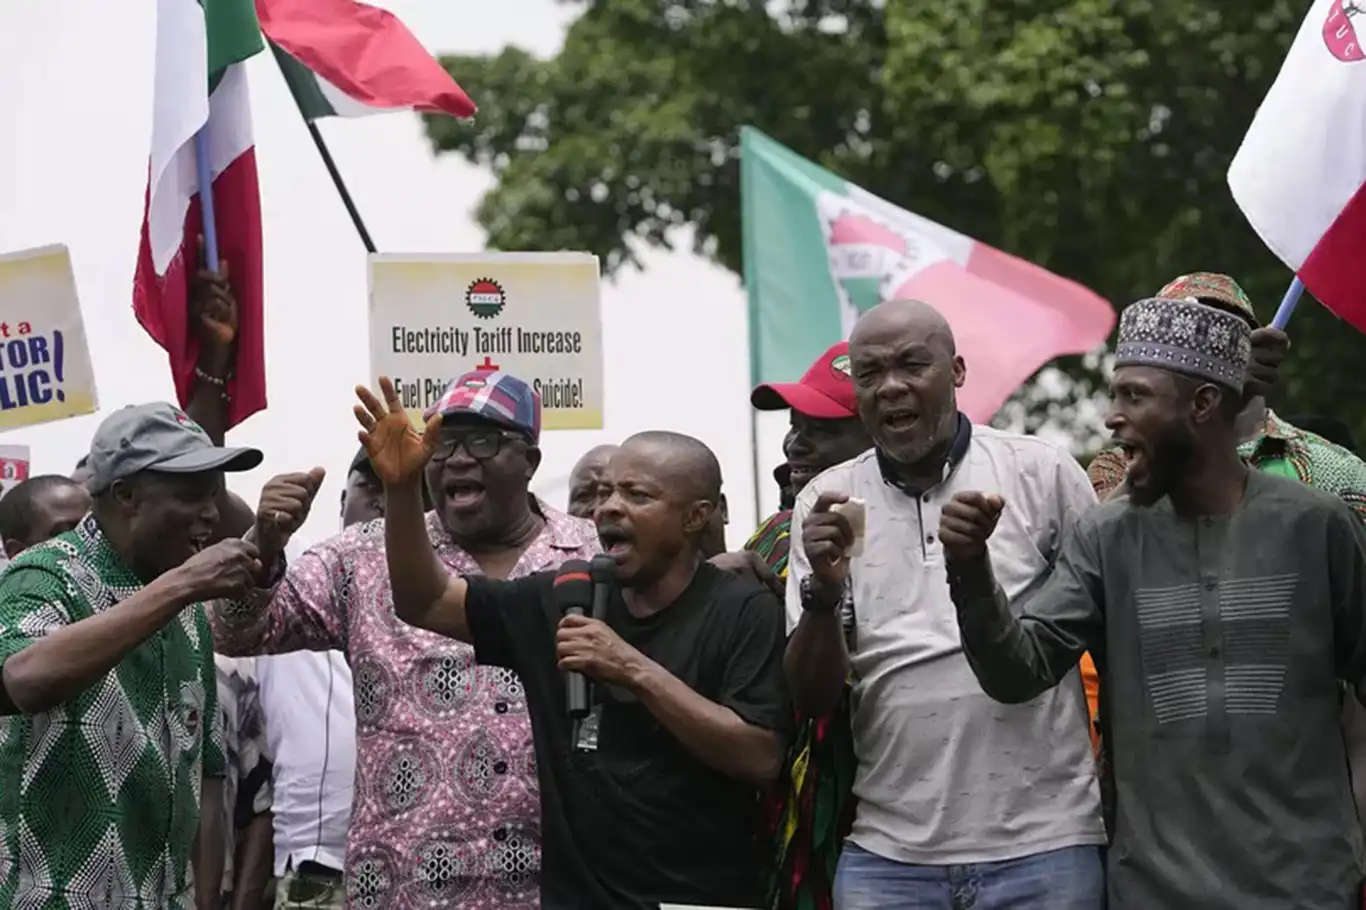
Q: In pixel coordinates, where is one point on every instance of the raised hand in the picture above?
(285, 503)
(214, 308)
(826, 538)
(397, 451)
(1269, 347)
(228, 569)
(966, 522)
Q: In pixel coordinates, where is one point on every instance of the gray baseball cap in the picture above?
(157, 437)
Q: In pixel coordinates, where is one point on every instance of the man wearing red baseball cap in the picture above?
(813, 803)
(825, 431)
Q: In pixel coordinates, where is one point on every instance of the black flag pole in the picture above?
(289, 68)
(339, 184)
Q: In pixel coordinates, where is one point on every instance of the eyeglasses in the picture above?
(480, 445)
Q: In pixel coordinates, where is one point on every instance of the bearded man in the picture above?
(1223, 606)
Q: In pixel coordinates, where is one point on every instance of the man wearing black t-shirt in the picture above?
(656, 801)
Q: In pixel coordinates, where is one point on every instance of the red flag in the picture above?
(362, 60)
(193, 93)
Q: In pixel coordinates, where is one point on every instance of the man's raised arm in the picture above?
(1016, 658)
(426, 594)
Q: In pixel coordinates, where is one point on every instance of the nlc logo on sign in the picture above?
(1340, 34)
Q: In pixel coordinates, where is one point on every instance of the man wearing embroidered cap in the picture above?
(1267, 441)
(1223, 605)
(447, 812)
(108, 677)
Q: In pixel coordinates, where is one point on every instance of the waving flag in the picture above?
(347, 59)
(819, 251)
(1299, 174)
(200, 79)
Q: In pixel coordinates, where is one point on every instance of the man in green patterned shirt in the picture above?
(109, 691)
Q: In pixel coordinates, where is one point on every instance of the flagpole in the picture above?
(337, 181)
(205, 175)
(754, 453)
(1288, 304)
(323, 152)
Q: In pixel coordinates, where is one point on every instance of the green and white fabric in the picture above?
(99, 799)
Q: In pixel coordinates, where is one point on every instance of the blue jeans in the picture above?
(1068, 879)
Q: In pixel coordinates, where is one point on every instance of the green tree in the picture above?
(1089, 136)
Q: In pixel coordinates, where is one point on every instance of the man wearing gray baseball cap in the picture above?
(106, 672)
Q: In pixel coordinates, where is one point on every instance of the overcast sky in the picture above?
(76, 114)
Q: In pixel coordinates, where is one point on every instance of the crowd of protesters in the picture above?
(953, 671)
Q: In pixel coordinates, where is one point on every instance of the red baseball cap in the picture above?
(826, 392)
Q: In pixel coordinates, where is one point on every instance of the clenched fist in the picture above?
(966, 522)
(1269, 347)
(228, 569)
(285, 501)
(826, 538)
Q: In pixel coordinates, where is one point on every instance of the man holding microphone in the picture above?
(656, 800)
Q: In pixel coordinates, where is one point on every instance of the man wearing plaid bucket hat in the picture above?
(444, 766)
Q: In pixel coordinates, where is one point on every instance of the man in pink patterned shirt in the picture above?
(446, 810)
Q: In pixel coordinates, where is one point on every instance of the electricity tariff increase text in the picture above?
(464, 342)
(556, 394)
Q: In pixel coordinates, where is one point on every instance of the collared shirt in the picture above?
(447, 810)
(311, 724)
(1220, 643)
(246, 785)
(99, 798)
(946, 774)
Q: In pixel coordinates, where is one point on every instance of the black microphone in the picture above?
(604, 570)
(573, 593)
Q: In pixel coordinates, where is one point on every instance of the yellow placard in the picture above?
(45, 371)
(534, 315)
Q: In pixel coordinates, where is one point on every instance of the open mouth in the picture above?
(1135, 455)
(898, 420)
(616, 541)
(463, 492)
(198, 542)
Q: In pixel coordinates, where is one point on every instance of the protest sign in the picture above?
(534, 315)
(14, 467)
(45, 371)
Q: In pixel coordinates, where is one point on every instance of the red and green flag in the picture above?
(347, 59)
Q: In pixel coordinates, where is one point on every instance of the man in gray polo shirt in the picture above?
(962, 801)
(1222, 606)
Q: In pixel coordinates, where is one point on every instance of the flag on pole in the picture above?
(347, 59)
(200, 79)
(1299, 174)
(819, 251)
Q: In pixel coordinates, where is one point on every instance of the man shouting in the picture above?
(1222, 606)
(658, 803)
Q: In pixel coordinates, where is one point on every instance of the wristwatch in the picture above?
(817, 599)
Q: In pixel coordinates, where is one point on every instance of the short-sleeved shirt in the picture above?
(445, 813)
(99, 798)
(639, 819)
